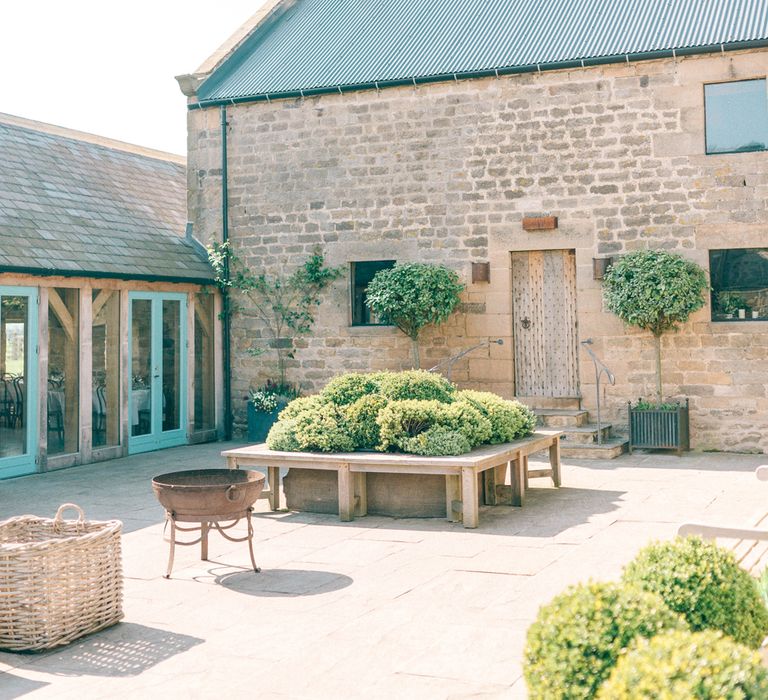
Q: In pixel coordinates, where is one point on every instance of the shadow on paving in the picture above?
(12, 687)
(291, 583)
(127, 649)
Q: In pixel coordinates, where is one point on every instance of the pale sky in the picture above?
(108, 67)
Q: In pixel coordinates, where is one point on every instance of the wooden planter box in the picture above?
(660, 429)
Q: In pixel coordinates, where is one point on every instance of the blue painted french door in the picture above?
(19, 393)
(157, 341)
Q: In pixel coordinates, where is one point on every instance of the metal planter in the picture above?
(660, 429)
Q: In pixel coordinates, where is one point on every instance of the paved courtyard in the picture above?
(375, 608)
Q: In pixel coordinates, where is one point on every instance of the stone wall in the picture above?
(446, 172)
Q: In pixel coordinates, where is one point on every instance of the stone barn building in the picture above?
(522, 144)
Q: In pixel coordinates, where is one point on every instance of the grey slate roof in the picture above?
(71, 206)
(313, 46)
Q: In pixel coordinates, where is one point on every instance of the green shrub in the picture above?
(578, 637)
(414, 384)
(282, 436)
(437, 441)
(464, 418)
(699, 665)
(704, 583)
(319, 428)
(298, 406)
(361, 420)
(510, 420)
(348, 388)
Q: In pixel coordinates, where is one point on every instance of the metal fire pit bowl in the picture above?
(208, 497)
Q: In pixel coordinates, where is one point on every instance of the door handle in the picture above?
(526, 323)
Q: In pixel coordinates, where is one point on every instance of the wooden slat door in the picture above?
(544, 323)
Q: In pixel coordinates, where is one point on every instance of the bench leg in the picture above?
(361, 494)
(452, 497)
(346, 493)
(554, 461)
(273, 475)
(469, 497)
(517, 473)
(489, 487)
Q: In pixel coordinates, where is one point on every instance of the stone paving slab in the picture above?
(375, 608)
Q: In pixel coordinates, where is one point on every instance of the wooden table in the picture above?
(461, 472)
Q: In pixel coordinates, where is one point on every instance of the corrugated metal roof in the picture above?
(320, 44)
(77, 207)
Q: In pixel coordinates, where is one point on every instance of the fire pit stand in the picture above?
(206, 525)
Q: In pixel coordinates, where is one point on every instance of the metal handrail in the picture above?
(600, 369)
(453, 359)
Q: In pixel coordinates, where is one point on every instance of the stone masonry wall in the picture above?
(445, 173)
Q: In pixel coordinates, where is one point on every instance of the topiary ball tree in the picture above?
(654, 290)
(697, 665)
(578, 637)
(413, 295)
(703, 582)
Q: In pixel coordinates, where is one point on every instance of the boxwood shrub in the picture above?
(415, 411)
(698, 665)
(578, 637)
(703, 582)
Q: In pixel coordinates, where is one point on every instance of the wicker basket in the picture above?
(59, 579)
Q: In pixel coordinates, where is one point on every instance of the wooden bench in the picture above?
(749, 544)
(461, 472)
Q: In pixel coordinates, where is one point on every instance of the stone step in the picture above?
(563, 402)
(561, 417)
(585, 434)
(608, 450)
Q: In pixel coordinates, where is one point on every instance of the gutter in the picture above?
(226, 351)
(94, 274)
(487, 73)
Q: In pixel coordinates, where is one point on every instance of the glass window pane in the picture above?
(13, 372)
(63, 370)
(171, 365)
(105, 336)
(739, 284)
(141, 367)
(362, 274)
(204, 375)
(737, 116)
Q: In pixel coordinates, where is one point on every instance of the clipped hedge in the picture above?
(699, 665)
(703, 582)
(415, 412)
(578, 637)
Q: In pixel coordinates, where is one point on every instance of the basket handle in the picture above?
(64, 506)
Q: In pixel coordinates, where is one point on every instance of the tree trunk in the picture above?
(415, 353)
(657, 343)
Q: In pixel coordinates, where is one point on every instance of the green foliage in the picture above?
(414, 384)
(762, 585)
(437, 441)
(321, 428)
(402, 421)
(413, 295)
(285, 305)
(578, 637)
(272, 395)
(361, 420)
(348, 388)
(704, 583)
(730, 303)
(282, 436)
(298, 406)
(643, 405)
(510, 420)
(654, 289)
(682, 665)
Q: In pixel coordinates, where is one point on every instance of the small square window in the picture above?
(736, 116)
(739, 284)
(362, 274)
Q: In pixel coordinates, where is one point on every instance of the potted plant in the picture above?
(655, 290)
(264, 406)
(413, 295)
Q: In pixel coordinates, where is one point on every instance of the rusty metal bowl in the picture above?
(208, 494)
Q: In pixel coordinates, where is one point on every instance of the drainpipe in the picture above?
(227, 345)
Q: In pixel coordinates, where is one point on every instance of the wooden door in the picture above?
(544, 323)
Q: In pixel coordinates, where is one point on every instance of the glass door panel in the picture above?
(18, 380)
(157, 403)
(105, 370)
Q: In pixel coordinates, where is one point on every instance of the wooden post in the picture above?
(112, 365)
(554, 460)
(190, 427)
(345, 493)
(361, 494)
(517, 475)
(86, 373)
(452, 495)
(273, 476)
(469, 497)
(125, 374)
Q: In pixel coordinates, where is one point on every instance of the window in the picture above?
(362, 274)
(736, 116)
(739, 284)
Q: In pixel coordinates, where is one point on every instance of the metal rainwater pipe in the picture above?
(227, 343)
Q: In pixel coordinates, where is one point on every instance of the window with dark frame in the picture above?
(736, 116)
(361, 275)
(739, 278)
